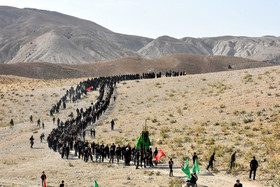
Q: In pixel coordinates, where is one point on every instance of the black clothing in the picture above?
(238, 185)
(194, 158)
(31, 141)
(112, 124)
(193, 180)
(232, 160)
(43, 177)
(171, 168)
(253, 165)
(212, 159)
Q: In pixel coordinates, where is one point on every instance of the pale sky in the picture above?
(175, 18)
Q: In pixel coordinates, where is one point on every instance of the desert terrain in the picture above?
(222, 112)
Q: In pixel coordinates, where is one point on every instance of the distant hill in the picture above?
(192, 64)
(259, 48)
(31, 35)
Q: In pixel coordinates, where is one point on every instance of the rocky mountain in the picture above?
(31, 35)
(265, 48)
(28, 35)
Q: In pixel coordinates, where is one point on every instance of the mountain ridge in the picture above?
(33, 35)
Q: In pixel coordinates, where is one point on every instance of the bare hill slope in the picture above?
(191, 64)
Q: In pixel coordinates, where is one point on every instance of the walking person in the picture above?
(194, 157)
(137, 158)
(43, 177)
(42, 136)
(31, 141)
(155, 154)
(253, 165)
(232, 160)
(112, 154)
(212, 159)
(171, 167)
(118, 153)
(112, 124)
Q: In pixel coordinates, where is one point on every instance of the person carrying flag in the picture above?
(43, 177)
(155, 154)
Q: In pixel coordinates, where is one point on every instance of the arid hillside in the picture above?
(189, 63)
(221, 111)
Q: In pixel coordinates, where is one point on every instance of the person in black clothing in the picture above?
(42, 136)
(137, 158)
(62, 184)
(171, 167)
(194, 157)
(31, 119)
(112, 154)
(31, 141)
(232, 160)
(253, 165)
(112, 124)
(155, 154)
(192, 182)
(93, 132)
(238, 184)
(212, 159)
(43, 177)
(67, 151)
(63, 149)
(12, 122)
(118, 153)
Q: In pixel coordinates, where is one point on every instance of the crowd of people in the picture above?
(70, 135)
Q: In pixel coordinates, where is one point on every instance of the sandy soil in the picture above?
(226, 111)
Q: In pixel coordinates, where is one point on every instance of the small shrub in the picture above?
(233, 123)
(249, 120)
(247, 127)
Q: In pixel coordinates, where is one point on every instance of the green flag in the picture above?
(95, 184)
(138, 142)
(186, 169)
(195, 168)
